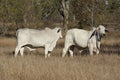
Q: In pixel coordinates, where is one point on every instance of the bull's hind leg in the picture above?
(90, 46)
(71, 50)
(31, 49)
(21, 51)
(17, 50)
(65, 49)
(64, 52)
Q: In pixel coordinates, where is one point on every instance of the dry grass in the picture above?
(105, 66)
(7, 42)
(102, 67)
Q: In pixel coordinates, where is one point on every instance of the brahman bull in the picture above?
(32, 38)
(83, 38)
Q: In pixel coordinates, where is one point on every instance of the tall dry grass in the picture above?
(32, 67)
(105, 66)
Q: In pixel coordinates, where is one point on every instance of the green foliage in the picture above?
(35, 11)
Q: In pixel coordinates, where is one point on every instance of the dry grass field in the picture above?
(105, 66)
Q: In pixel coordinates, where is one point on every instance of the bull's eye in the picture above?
(106, 30)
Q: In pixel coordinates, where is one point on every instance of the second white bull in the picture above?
(84, 38)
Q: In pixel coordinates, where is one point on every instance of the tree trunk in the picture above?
(65, 10)
(92, 15)
(25, 20)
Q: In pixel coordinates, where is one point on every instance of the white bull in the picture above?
(32, 38)
(83, 38)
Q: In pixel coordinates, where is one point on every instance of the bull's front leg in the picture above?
(97, 52)
(71, 53)
(48, 54)
(46, 50)
(90, 46)
(98, 47)
(71, 49)
(21, 51)
(50, 48)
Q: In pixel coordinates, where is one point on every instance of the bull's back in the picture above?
(39, 37)
(35, 37)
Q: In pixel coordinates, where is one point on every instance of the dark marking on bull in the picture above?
(93, 34)
(98, 37)
(31, 46)
(58, 30)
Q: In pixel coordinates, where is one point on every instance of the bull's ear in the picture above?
(98, 29)
(58, 30)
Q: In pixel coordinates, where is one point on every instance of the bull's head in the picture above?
(101, 30)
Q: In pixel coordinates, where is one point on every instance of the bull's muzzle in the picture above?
(103, 35)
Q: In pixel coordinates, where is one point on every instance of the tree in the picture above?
(64, 11)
